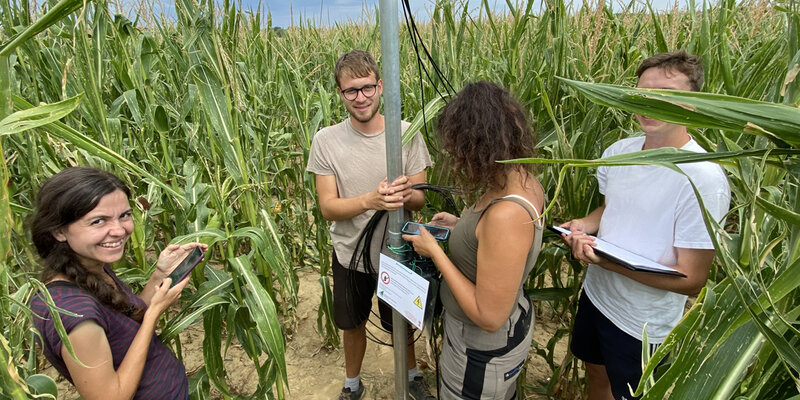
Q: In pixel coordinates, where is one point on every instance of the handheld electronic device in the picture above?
(187, 265)
(439, 233)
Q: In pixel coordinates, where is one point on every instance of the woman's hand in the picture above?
(167, 261)
(171, 256)
(424, 243)
(165, 296)
(95, 377)
(445, 220)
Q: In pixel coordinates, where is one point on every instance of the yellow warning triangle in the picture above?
(418, 302)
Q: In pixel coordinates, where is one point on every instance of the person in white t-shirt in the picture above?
(349, 161)
(652, 211)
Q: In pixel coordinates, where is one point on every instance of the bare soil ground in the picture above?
(317, 373)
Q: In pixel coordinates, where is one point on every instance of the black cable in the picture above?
(412, 26)
(445, 191)
(416, 42)
(362, 249)
(416, 38)
(420, 68)
(421, 265)
(421, 87)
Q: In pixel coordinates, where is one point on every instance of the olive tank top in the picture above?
(464, 251)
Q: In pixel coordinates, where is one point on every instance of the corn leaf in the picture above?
(217, 108)
(212, 343)
(55, 14)
(35, 117)
(11, 385)
(667, 157)
(93, 147)
(423, 117)
(42, 386)
(777, 122)
(781, 213)
(263, 312)
(176, 326)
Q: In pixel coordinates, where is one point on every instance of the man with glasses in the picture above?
(349, 161)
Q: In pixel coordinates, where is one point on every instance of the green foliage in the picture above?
(209, 118)
(37, 116)
(777, 122)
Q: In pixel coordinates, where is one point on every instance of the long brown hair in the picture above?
(481, 125)
(63, 199)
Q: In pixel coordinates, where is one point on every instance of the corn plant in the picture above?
(209, 117)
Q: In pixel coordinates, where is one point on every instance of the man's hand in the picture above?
(581, 243)
(402, 187)
(576, 225)
(589, 224)
(384, 197)
(389, 197)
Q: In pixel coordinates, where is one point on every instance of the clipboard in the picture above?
(625, 258)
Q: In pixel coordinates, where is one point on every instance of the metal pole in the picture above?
(390, 60)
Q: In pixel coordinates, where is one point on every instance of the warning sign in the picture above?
(403, 290)
(418, 302)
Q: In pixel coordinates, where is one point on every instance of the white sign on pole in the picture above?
(403, 290)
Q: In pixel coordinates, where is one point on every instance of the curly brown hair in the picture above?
(63, 199)
(481, 125)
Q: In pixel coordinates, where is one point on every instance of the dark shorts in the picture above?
(596, 340)
(352, 297)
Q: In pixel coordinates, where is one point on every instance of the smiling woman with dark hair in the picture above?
(82, 222)
(488, 320)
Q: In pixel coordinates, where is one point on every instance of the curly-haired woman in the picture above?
(488, 321)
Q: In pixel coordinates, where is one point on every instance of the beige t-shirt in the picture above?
(358, 161)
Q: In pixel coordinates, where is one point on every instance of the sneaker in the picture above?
(418, 389)
(348, 394)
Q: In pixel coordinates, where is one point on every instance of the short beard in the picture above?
(372, 115)
(364, 120)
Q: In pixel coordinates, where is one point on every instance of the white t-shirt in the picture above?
(652, 211)
(358, 161)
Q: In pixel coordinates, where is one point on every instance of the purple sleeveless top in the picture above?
(164, 377)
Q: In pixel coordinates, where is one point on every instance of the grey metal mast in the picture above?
(390, 60)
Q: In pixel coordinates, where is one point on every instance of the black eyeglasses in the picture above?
(367, 90)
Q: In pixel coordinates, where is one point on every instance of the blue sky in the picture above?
(328, 12)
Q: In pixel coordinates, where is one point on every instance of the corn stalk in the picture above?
(209, 119)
